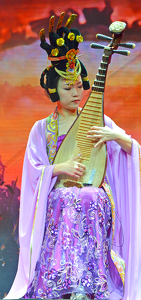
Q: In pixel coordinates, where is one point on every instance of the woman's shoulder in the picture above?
(39, 127)
(110, 123)
(37, 131)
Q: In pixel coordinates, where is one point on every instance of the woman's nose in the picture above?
(75, 92)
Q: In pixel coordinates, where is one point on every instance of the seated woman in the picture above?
(74, 242)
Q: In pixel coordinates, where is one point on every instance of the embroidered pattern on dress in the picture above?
(37, 202)
(118, 261)
(74, 251)
(109, 193)
(120, 265)
(51, 133)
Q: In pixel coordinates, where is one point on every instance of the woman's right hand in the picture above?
(71, 167)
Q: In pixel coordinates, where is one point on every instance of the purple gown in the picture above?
(64, 240)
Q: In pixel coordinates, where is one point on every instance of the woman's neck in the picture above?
(66, 119)
(66, 113)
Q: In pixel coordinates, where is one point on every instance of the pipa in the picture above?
(92, 114)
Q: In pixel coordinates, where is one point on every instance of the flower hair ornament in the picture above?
(62, 53)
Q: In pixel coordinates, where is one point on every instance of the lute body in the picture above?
(76, 142)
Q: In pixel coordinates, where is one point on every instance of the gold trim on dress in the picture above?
(37, 202)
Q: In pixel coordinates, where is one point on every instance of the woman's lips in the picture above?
(76, 101)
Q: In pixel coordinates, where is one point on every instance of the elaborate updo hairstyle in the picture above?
(62, 52)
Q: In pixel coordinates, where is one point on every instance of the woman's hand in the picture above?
(102, 135)
(71, 167)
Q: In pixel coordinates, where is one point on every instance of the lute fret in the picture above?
(90, 115)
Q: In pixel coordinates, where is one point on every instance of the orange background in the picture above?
(23, 101)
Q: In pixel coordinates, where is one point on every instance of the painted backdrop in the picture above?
(23, 101)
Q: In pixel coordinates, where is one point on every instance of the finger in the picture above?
(96, 128)
(90, 131)
(77, 157)
(94, 137)
(99, 143)
(75, 176)
(79, 172)
(81, 167)
(94, 132)
(96, 145)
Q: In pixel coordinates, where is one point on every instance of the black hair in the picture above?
(62, 42)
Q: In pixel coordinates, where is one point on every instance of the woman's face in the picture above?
(70, 94)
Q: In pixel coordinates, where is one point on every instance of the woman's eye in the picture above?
(80, 86)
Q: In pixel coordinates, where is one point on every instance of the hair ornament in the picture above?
(71, 54)
(54, 52)
(52, 91)
(70, 75)
(71, 36)
(42, 35)
(70, 65)
(51, 23)
(62, 52)
(56, 58)
(79, 38)
(61, 19)
(85, 78)
(70, 20)
(60, 42)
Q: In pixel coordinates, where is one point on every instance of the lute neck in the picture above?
(99, 82)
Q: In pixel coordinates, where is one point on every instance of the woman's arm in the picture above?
(104, 134)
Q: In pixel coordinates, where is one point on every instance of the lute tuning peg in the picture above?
(117, 28)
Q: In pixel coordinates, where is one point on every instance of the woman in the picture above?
(68, 248)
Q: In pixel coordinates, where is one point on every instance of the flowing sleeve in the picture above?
(124, 175)
(37, 182)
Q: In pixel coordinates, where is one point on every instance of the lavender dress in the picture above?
(84, 269)
(73, 256)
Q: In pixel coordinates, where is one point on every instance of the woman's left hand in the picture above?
(101, 135)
